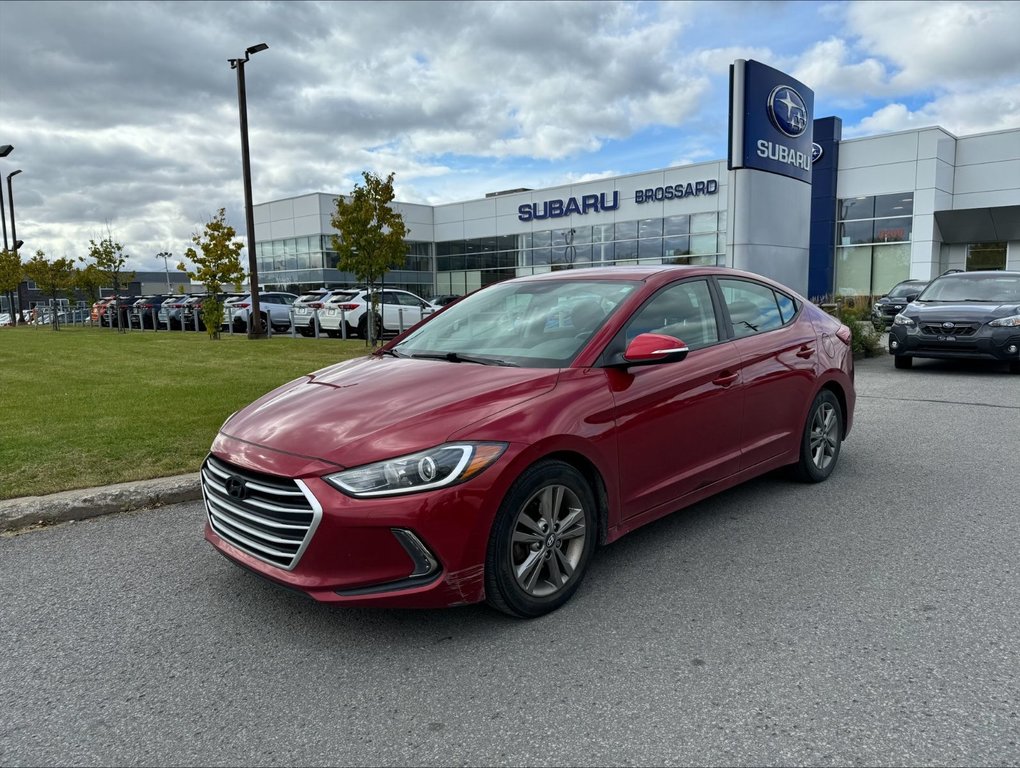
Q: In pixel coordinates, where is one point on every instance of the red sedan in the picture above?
(486, 452)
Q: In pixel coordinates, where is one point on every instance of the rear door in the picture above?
(778, 351)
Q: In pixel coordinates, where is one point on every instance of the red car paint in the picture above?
(649, 439)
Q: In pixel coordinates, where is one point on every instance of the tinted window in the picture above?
(683, 311)
(753, 307)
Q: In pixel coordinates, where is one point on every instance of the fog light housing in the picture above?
(893, 344)
(1011, 349)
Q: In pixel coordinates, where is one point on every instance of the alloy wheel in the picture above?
(548, 540)
(824, 436)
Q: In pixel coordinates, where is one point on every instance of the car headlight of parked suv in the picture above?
(1013, 321)
(902, 319)
(422, 471)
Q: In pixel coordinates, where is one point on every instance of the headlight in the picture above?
(876, 309)
(424, 471)
(902, 319)
(1012, 321)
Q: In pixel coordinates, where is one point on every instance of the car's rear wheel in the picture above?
(820, 443)
(363, 327)
(902, 361)
(542, 540)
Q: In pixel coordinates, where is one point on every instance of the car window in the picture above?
(408, 300)
(753, 307)
(683, 311)
(901, 290)
(987, 287)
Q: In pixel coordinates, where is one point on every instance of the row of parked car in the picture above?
(338, 311)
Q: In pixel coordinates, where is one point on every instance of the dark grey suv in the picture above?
(961, 315)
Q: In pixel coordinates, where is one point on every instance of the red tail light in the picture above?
(349, 307)
(316, 305)
(243, 305)
(843, 334)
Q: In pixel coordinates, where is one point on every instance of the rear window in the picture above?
(341, 297)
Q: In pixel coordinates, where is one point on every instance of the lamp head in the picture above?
(5, 150)
(256, 48)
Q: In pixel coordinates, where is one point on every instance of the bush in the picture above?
(865, 341)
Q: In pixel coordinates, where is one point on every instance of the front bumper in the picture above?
(418, 550)
(986, 343)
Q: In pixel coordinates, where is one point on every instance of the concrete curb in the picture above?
(94, 502)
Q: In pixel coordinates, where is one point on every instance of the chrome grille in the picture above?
(271, 518)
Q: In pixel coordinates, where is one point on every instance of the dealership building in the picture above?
(792, 201)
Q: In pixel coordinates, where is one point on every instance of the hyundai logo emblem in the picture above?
(948, 325)
(235, 487)
(787, 111)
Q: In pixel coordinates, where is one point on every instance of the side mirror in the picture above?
(911, 296)
(653, 348)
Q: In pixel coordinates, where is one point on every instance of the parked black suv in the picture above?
(891, 304)
(961, 315)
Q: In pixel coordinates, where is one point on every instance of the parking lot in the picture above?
(871, 619)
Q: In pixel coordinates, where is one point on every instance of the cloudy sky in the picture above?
(124, 115)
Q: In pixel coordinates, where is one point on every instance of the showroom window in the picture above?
(986, 256)
(873, 243)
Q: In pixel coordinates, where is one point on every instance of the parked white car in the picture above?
(399, 311)
(306, 305)
(273, 306)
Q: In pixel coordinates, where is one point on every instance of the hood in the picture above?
(967, 311)
(375, 408)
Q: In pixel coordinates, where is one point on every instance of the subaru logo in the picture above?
(816, 152)
(235, 487)
(787, 111)
(948, 325)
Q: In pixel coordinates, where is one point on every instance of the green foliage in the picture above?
(89, 280)
(109, 259)
(11, 272)
(865, 341)
(55, 279)
(218, 264)
(371, 240)
(11, 275)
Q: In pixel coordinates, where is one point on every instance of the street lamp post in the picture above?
(4, 151)
(255, 329)
(166, 255)
(14, 231)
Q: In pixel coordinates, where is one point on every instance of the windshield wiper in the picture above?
(457, 357)
(392, 352)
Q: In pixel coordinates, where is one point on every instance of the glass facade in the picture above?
(986, 256)
(873, 243)
(301, 264)
(465, 265)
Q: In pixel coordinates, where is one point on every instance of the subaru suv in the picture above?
(273, 306)
(891, 304)
(306, 305)
(961, 315)
(400, 310)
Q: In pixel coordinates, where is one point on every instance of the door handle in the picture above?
(805, 352)
(725, 379)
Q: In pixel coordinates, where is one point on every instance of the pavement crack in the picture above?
(940, 402)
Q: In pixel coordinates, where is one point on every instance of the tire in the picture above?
(333, 334)
(903, 362)
(363, 327)
(240, 326)
(821, 439)
(541, 542)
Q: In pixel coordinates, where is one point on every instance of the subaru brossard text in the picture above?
(485, 453)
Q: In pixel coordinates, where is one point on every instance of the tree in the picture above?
(371, 239)
(55, 279)
(109, 259)
(218, 264)
(11, 275)
(89, 280)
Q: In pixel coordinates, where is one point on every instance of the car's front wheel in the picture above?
(821, 440)
(542, 540)
(903, 361)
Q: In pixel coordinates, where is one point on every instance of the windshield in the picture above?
(538, 324)
(988, 287)
(904, 289)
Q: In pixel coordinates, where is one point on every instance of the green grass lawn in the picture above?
(82, 407)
